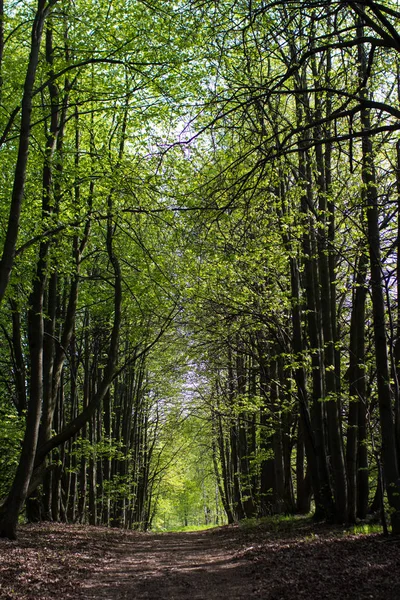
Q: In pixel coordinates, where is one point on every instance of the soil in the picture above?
(304, 560)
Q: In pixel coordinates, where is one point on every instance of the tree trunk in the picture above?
(357, 470)
(385, 394)
(7, 260)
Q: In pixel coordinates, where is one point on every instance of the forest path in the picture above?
(293, 561)
(196, 565)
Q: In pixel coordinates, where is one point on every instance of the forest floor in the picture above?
(294, 560)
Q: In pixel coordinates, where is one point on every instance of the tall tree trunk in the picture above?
(328, 309)
(357, 470)
(19, 490)
(326, 509)
(8, 255)
(385, 394)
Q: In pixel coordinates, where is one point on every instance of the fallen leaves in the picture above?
(73, 561)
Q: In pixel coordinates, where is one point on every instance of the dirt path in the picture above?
(302, 562)
(173, 566)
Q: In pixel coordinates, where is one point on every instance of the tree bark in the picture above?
(385, 394)
(8, 255)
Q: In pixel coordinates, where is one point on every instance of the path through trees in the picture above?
(261, 563)
(200, 272)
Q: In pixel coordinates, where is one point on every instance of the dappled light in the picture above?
(199, 299)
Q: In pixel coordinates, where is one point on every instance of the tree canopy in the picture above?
(200, 264)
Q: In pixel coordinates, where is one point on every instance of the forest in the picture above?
(200, 262)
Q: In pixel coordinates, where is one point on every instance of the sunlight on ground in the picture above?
(185, 529)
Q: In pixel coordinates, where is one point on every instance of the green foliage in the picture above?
(187, 529)
(11, 433)
(183, 151)
(187, 494)
(366, 529)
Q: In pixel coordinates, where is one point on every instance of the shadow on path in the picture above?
(173, 566)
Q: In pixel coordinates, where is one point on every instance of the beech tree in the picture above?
(79, 212)
(215, 182)
(298, 57)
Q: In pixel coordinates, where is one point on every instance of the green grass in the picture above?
(181, 528)
(365, 528)
(298, 525)
(275, 523)
(304, 525)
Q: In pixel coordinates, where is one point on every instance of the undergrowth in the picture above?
(184, 528)
(304, 524)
